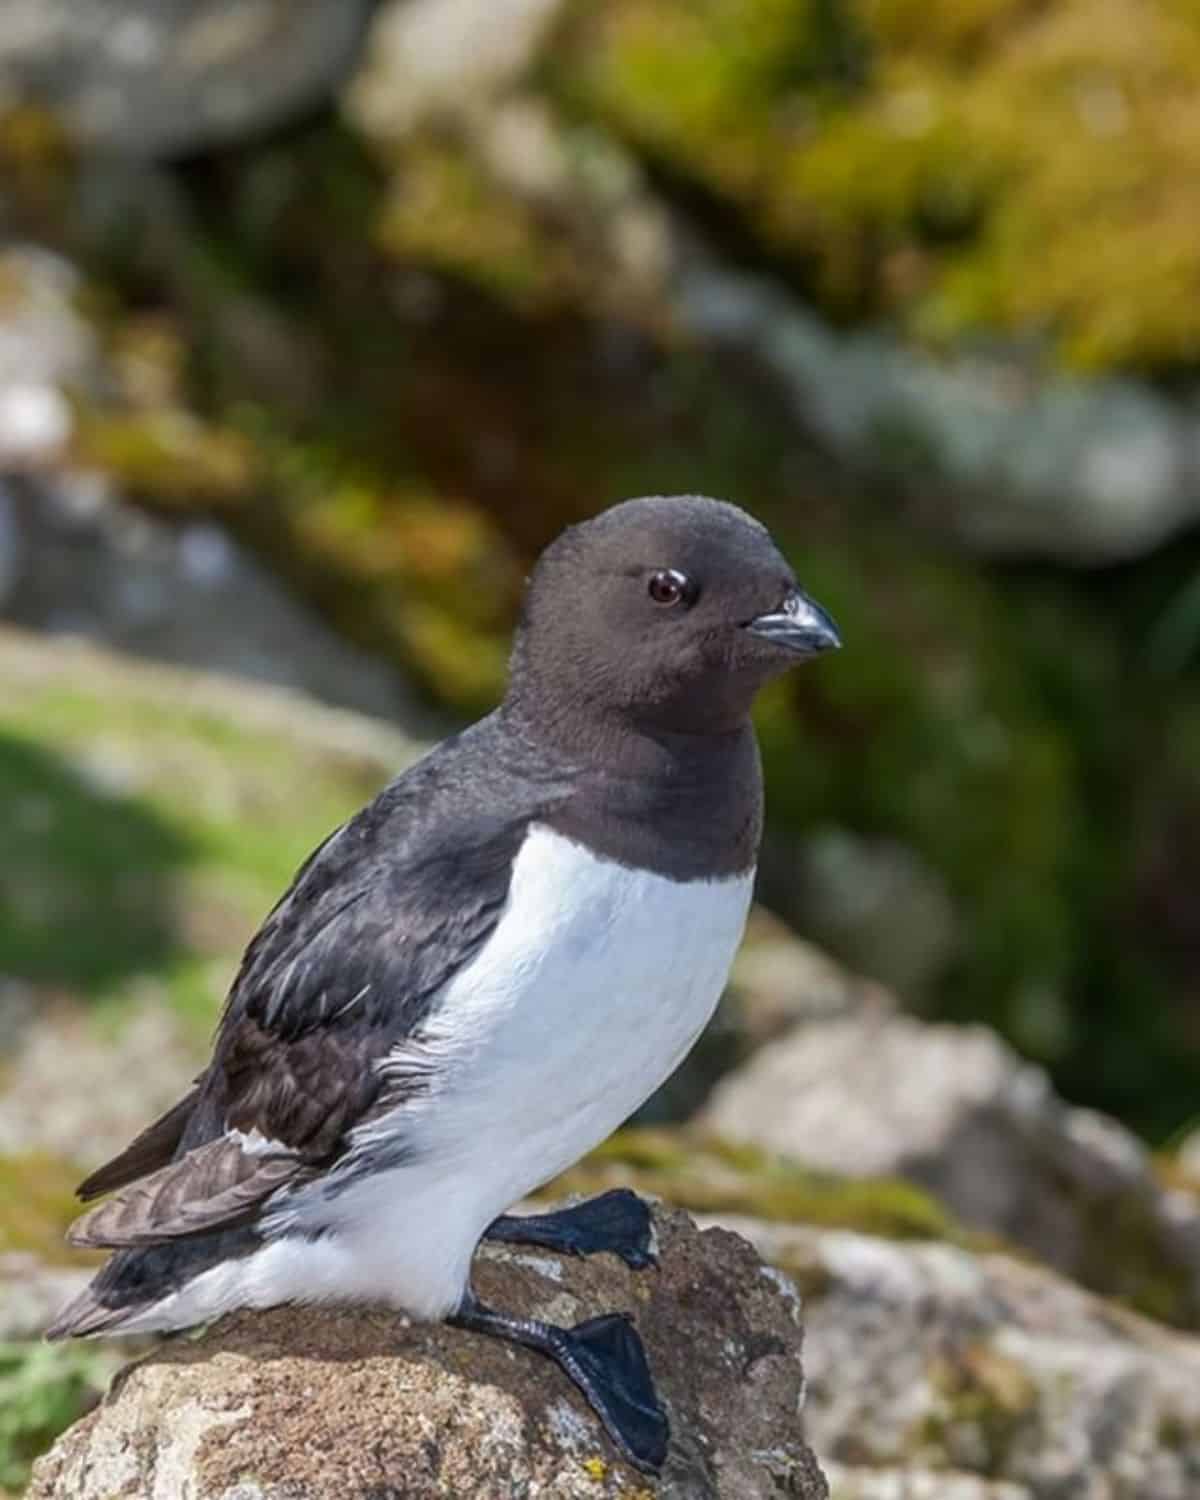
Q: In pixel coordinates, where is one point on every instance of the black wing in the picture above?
(346, 965)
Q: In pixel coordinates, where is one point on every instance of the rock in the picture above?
(1188, 1154)
(956, 1111)
(426, 58)
(76, 558)
(156, 77)
(83, 562)
(46, 348)
(351, 1405)
(31, 1292)
(938, 1374)
(913, 1484)
(1021, 462)
(779, 980)
(872, 901)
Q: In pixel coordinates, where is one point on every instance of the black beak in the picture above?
(800, 625)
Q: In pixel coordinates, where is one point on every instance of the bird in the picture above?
(483, 973)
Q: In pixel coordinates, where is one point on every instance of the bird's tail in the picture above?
(86, 1316)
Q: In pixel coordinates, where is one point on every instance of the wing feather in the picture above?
(346, 967)
(218, 1184)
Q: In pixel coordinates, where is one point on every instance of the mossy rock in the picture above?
(955, 165)
(708, 1175)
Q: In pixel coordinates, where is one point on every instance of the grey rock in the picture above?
(872, 901)
(958, 1112)
(1188, 1154)
(46, 348)
(1021, 461)
(346, 1406)
(83, 562)
(156, 77)
(426, 58)
(779, 981)
(31, 1292)
(918, 1484)
(938, 1374)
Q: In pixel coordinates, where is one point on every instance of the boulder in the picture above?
(348, 1405)
(154, 77)
(935, 1373)
(955, 1110)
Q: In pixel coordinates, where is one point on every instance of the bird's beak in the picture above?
(799, 625)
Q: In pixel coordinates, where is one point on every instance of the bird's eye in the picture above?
(668, 586)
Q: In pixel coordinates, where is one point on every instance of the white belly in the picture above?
(592, 989)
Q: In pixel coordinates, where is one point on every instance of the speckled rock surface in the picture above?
(939, 1374)
(289, 1405)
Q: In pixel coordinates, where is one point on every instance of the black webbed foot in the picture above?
(605, 1359)
(617, 1221)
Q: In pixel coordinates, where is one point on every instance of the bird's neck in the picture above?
(687, 805)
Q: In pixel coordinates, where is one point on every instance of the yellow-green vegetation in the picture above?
(43, 1389)
(1126, 1253)
(961, 164)
(987, 1401)
(155, 831)
(394, 561)
(708, 1175)
(38, 1194)
(444, 210)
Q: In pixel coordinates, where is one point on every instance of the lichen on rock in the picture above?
(938, 1374)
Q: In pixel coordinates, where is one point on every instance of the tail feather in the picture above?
(133, 1282)
(85, 1316)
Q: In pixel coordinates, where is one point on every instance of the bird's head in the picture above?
(669, 613)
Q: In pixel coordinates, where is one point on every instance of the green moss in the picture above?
(898, 152)
(43, 1389)
(712, 1176)
(1178, 1435)
(38, 1194)
(445, 211)
(167, 455)
(987, 1402)
(1126, 1254)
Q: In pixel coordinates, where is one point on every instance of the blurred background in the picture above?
(319, 318)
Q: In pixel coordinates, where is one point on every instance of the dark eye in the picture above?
(668, 586)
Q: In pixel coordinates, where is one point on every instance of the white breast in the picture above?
(590, 992)
(594, 986)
